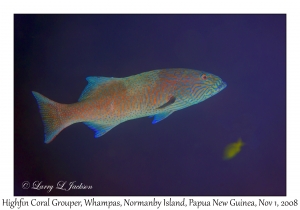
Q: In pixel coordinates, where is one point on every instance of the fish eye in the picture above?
(204, 77)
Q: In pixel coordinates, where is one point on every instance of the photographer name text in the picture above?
(61, 185)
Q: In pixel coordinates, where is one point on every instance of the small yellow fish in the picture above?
(233, 149)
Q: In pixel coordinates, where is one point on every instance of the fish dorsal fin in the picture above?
(99, 128)
(93, 84)
(161, 116)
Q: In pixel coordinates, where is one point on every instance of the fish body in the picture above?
(233, 149)
(106, 102)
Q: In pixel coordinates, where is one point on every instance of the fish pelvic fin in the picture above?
(53, 120)
(161, 116)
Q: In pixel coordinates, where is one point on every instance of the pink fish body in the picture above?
(106, 102)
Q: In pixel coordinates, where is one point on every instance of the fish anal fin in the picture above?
(93, 84)
(161, 116)
(99, 128)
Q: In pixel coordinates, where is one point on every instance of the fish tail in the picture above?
(53, 120)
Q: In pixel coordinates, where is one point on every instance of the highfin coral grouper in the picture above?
(106, 102)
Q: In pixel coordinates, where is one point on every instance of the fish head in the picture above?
(206, 85)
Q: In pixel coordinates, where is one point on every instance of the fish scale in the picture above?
(106, 102)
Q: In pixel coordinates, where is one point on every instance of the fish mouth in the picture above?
(221, 86)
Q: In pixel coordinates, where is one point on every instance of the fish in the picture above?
(107, 101)
(231, 150)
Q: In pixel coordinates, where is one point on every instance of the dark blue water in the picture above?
(181, 155)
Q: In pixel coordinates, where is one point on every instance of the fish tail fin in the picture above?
(52, 119)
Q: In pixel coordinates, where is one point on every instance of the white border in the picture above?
(8, 8)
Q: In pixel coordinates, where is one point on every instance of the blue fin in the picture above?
(93, 84)
(161, 116)
(100, 129)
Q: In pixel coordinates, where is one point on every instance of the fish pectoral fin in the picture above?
(171, 101)
(161, 116)
(99, 128)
